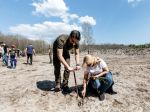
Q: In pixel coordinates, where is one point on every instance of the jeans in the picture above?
(104, 84)
(5, 59)
(13, 62)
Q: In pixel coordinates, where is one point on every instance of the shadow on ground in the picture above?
(46, 85)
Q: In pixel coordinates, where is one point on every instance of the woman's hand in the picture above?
(93, 77)
(83, 93)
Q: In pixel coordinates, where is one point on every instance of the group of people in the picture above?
(7, 53)
(96, 74)
(11, 53)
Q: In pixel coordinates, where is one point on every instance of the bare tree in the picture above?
(87, 33)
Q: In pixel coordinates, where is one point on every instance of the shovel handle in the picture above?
(76, 83)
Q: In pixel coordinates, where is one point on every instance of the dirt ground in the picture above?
(29, 88)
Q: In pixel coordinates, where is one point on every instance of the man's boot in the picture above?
(57, 88)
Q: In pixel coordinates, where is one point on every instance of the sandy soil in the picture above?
(29, 88)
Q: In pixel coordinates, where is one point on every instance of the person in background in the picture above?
(29, 52)
(97, 75)
(61, 47)
(6, 54)
(18, 52)
(1, 50)
(13, 60)
(50, 54)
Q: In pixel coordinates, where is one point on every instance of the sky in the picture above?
(112, 21)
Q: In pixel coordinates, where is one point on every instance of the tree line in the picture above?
(21, 43)
(42, 46)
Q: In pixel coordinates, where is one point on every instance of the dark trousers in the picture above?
(0, 55)
(57, 69)
(50, 57)
(29, 56)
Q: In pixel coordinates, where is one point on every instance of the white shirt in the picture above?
(1, 50)
(96, 69)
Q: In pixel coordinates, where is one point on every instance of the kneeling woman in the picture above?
(97, 73)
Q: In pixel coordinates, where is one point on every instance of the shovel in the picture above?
(76, 83)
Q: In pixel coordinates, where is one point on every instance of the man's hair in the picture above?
(76, 34)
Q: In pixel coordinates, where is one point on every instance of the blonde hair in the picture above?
(96, 60)
(90, 60)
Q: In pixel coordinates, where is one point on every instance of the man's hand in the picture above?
(73, 69)
(70, 69)
(77, 67)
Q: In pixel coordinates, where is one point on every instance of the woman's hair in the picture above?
(96, 60)
(90, 60)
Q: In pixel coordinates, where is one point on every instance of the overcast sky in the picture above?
(113, 21)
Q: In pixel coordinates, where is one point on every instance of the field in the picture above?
(29, 88)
